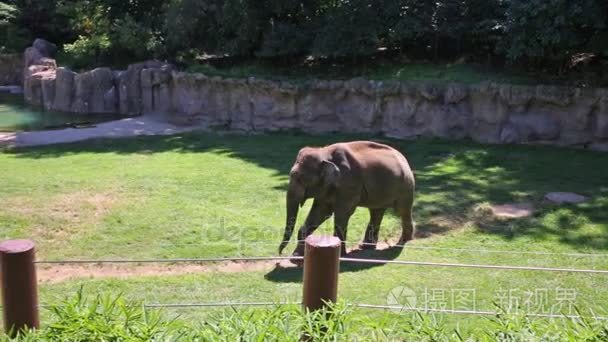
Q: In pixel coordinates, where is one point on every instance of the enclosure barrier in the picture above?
(19, 287)
(320, 279)
(321, 269)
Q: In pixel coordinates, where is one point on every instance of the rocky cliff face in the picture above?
(485, 112)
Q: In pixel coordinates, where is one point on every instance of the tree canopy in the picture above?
(539, 33)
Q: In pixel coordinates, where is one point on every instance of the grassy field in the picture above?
(206, 194)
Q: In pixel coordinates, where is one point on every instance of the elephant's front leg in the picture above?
(341, 217)
(318, 214)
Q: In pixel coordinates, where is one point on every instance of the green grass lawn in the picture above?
(206, 194)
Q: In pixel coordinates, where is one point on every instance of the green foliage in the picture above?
(111, 318)
(553, 31)
(540, 34)
(101, 318)
(11, 36)
(93, 26)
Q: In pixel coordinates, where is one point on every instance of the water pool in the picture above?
(16, 116)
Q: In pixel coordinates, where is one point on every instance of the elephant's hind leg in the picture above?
(373, 227)
(408, 230)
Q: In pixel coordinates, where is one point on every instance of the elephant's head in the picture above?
(311, 176)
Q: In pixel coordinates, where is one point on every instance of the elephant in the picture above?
(343, 176)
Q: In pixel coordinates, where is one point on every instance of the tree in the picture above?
(549, 32)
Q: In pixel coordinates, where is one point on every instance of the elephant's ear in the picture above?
(330, 173)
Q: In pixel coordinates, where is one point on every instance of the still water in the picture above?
(16, 116)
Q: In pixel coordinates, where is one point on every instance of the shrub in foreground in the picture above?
(108, 318)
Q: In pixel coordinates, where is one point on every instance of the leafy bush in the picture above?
(111, 318)
(543, 35)
(12, 38)
(550, 32)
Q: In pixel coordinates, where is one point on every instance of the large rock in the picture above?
(358, 108)
(130, 90)
(398, 111)
(533, 127)
(64, 90)
(31, 56)
(155, 89)
(33, 85)
(47, 84)
(316, 106)
(91, 92)
(39, 74)
(601, 124)
(565, 198)
(273, 105)
(240, 108)
(488, 113)
(47, 49)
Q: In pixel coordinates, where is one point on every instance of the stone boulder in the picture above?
(130, 90)
(47, 49)
(155, 89)
(64, 90)
(565, 198)
(39, 74)
(33, 91)
(273, 105)
(91, 90)
(316, 106)
(358, 108)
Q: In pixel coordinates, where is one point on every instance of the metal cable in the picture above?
(468, 312)
(181, 260)
(216, 304)
(473, 250)
(503, 267)
(359, 260)
(405, 246)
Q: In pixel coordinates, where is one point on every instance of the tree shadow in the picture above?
(293, 274)
(452, 178)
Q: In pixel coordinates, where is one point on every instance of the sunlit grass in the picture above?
(204, 194)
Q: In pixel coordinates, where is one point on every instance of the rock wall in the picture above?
(11, 69)
(486, 112)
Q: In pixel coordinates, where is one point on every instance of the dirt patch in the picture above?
(61, 273)
(62, 215)
(513, 210)
(65, 272)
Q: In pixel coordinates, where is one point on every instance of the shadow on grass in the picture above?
(453, 178)
(282, 274)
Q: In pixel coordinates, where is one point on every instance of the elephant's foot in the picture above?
(404, 239)
(367, 245)
(297, 256)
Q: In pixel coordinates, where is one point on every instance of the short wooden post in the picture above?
(321, 268)
(19, 287)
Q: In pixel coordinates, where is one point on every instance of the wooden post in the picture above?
(19, 287)
(321, 268)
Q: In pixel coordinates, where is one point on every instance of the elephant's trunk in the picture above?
(295, 196)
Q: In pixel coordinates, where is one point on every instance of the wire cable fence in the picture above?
(299, 258)
(395, 308)
(404, 246)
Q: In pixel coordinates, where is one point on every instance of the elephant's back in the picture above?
(386, 173)
(379, 156)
